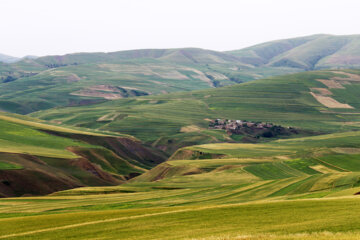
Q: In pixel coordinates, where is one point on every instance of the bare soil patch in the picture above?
(330, 102)
(350, 76)
(73, 78)
(323, 169)
(190, 128)
(347, 150)
(94, 93)
(331, 83)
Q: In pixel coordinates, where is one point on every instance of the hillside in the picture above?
(86, 78)
(319, 166)
(307, 53)
(318, 102)
(82, 79)
(49, 158)
(252, 192)
(8, 59)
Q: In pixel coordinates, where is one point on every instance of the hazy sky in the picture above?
(44, 27)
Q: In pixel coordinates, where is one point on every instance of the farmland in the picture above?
(124, 145)
(285, 189)
(52, 158)
(158, 120)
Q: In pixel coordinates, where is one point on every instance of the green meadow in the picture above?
(303, 188)
(163, 120)
(105, 167)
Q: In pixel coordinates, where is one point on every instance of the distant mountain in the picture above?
(8, 59)
(307, 53)
(30, 57)
(33, 84)
(181, 56)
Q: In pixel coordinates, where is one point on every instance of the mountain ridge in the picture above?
(88, 78)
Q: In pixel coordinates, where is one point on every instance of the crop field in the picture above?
(159, 120)
(211, 187)
(303, 188)
(295, 219)
(259, 143)
(50, 158)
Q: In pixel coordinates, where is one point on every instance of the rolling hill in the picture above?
(307, 53)
(37, 158)
(88, 78)
(106, 184)
(8, 59)
(318, 102)
(304, 188)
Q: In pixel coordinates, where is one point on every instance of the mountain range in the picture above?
(88, 78)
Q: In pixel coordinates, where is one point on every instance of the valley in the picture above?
(257, 143)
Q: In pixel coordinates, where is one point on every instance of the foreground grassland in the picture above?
(287, 189)
(335, 218)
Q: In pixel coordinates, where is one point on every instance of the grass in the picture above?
(9, 166)
(271, 190)
(327, 218)
(50, 158)
(58, 81)
(159, 119)
(17, 138)
(51, 81)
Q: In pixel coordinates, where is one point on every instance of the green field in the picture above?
(300, 219)
(50, 158)
(301, 188)
(87, 78)
(149, 167)
(160, 120)
(83, 79)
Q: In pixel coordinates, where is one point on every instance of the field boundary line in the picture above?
(101, 221)
(142, 216)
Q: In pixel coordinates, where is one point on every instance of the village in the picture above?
(249, 128)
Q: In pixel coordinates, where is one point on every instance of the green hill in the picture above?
(82, 79)
(301, 188)
(86, 78)
(319, 102)
(37, 158)
(307, 53)
(8, 59)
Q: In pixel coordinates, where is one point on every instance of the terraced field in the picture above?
(87, 78)
(211, 187)
(165, 120)
(303, 188)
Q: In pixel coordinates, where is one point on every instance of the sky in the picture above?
(43, 27)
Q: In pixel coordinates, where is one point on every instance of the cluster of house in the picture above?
(230, 125)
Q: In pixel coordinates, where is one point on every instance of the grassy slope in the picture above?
(149, 71)
(308, 53)
(306, 219)
(154, 71)
(285, 199)
(282, 100)
(287, 189)
(51, 158)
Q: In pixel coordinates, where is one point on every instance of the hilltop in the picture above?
(308, 53)
(88, 78)
(8, 59)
